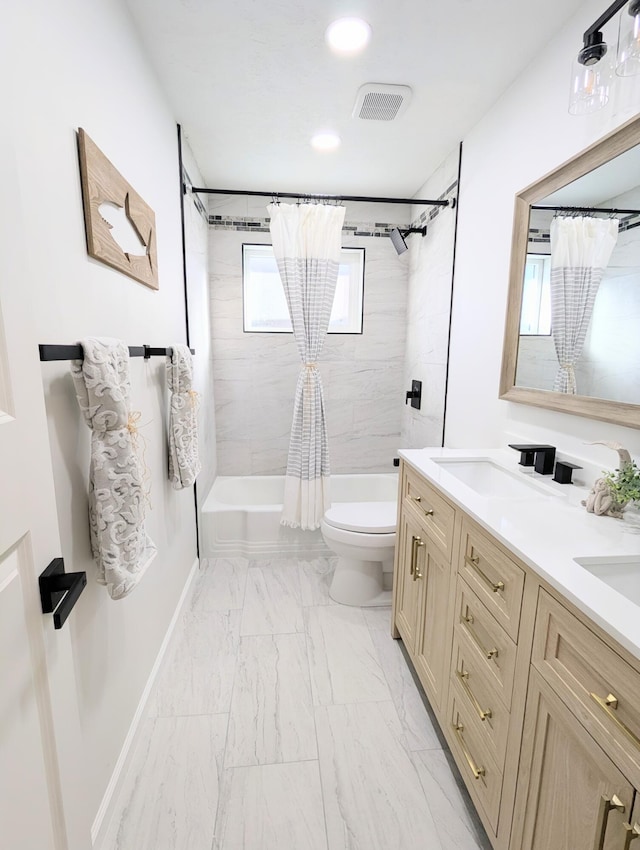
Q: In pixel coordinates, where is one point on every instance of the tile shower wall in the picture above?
(429, 308)
(255, 374)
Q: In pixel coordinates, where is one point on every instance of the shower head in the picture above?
(397, 237)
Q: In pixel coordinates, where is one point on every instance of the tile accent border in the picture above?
(261, 225)
(197, 201)
(429, 214)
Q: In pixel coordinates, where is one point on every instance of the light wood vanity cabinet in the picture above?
(422, 570)
(540, 708)
(565, 782)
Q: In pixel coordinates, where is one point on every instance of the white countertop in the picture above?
(547, 532)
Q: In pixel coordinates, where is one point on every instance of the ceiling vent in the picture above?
(381, 102)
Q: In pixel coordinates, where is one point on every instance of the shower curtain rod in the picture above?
(301, 196)
(75, 352)
(587, 210)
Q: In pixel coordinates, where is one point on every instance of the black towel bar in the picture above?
(74, 352)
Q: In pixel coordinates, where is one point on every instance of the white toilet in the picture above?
(363, 535)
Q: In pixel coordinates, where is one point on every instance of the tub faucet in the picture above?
(541, 457)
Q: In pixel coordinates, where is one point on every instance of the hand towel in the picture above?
(184, 459)
(117, 498)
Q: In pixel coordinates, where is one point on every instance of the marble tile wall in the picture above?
(255, 374)
(429, 310)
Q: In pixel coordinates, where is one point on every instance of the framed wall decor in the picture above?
(103, 187)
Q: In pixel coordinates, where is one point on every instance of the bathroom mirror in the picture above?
(600, 379)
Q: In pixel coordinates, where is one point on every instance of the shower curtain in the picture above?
(306, 243)
(580, 251)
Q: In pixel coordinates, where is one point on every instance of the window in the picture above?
(265, 306)
(535, 319)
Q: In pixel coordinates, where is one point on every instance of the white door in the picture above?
(40, 746)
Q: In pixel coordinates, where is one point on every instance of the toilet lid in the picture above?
(367, 517)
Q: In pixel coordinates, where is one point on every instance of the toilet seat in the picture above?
(363, 517)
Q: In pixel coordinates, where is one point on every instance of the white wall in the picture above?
(256, 373)
(429, 307)
(78, 64)
(525, 135)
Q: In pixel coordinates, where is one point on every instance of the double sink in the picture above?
(489, 479)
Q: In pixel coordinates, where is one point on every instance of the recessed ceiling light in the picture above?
(325, 141)
(348, 35)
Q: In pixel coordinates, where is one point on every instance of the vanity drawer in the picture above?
(486, 641)
(601, 689)
(436, 515)
(476, 764)
(498, 581)
(479, 694)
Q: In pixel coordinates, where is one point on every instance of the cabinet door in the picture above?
(407, 591)
(433, 638)
(565, 782)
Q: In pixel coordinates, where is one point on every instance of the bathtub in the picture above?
(241, 514)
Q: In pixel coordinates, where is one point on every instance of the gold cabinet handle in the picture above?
(425, 511)
(609, 704)
(458, 728)
(474, 562)
(463, 678)
(467, 619)
(606, 805)
(416, 543)
(631, 832)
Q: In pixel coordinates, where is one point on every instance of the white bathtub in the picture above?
(241, 514)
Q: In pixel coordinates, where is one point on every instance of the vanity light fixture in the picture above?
(348, 35)
(325, 142)
(592, 72)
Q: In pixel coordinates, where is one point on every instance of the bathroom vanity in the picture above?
(516, 609)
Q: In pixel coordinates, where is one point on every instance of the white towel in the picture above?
(117, 499)
(184, 459)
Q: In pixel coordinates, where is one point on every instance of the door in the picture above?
(433, 638)
(40, 764)
(408, 586)
(571, 796)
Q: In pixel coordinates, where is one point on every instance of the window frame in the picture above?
(543, 260)
(351, 250)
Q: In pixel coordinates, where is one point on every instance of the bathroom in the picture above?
(76, 66)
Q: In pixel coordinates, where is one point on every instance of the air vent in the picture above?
(381, 102)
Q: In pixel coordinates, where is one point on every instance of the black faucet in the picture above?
(540, 457)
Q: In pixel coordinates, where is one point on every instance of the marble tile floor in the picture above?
(282, 721)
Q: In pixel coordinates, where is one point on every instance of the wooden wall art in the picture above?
(102, 183)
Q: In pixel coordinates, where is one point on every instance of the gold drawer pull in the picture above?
(631, 833)
(474, 562)
(488, 653)
(609, 704)
(458, 728)
(463, 676)
(428, 511)
(416, 543)
(606, 805)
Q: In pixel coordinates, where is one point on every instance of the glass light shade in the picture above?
(590, 85)
(628, 59)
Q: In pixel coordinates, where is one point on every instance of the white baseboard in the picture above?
(104, 813)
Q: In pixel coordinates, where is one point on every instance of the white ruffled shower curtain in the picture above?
(306, 243)
(580, 252)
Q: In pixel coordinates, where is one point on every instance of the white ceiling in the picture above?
(251, 81)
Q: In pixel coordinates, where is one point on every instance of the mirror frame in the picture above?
(615, 143)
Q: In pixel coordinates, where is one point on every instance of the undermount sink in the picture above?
(621, 573)
(488, 478)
